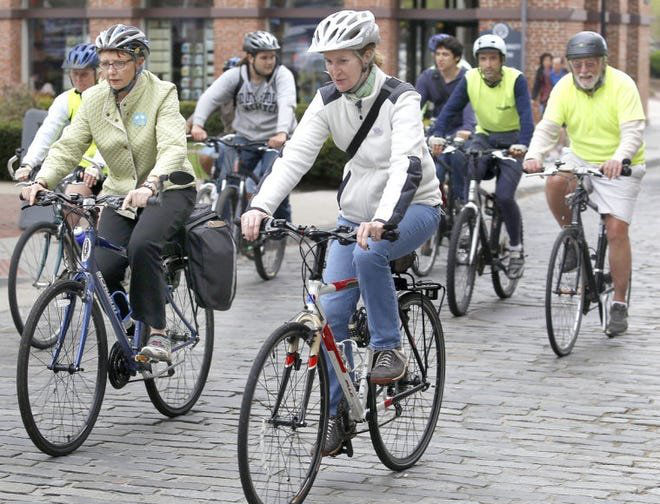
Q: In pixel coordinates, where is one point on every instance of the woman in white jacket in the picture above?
(390, 179)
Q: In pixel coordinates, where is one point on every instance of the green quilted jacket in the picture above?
(144, 136)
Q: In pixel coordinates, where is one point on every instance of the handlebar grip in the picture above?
(153, 201)
(390, 235)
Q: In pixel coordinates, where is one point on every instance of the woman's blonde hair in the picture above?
(377, 58)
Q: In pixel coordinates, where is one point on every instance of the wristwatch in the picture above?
(152, 186)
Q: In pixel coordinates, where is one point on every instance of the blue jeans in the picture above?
(372, 269)
(456, 160)
(260, 164)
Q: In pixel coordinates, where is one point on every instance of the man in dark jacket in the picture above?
(436, 84)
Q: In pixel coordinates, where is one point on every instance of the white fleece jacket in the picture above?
(392, 168)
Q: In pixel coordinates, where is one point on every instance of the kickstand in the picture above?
(347, 448)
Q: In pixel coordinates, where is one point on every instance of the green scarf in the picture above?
(366, 88)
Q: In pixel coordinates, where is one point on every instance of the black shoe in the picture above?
(390, 366)
(340, 428)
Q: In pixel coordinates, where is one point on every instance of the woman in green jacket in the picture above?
(134, 119)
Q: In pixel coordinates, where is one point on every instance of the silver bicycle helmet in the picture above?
(345, 29)
(254, 42)
(125, 38)
(586, 44)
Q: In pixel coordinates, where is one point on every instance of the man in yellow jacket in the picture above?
(134, 119)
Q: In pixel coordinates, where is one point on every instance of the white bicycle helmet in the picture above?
(489, 42)
(345, 29)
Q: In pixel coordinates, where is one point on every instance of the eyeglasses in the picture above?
(117, 65)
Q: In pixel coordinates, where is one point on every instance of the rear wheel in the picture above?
(180, 383)
(461, 268)
(504, 285)
(40, 257)
(284, 415)
(401, 431)
(564, 293)
(60, 403)
(268, 255)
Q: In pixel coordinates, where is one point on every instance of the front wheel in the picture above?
(564, 293)
(180, 383)
(284, 415)
(40, 257)
(401, 426)
(462, 261)
(228, 210)
(59, 401)
(503, 284)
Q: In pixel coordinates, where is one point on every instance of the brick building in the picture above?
(192, 38)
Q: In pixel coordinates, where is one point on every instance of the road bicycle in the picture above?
(428, 252)
(579, 277)
(45, 252)
(61, 382)
(478, 239)
(228, 193)
(285, 407)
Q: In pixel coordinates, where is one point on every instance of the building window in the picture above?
(182, 52)
(304, 3)
(295, 37)
(180, 3)
(50, 39)
(438, 4)
(66, 4)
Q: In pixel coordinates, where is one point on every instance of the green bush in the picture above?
(213, 125)
(655, 64)
(10, 140)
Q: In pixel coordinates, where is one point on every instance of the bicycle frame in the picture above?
(94, 285)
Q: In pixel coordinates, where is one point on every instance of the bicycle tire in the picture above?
(268, 256)
(460, 274)
(564, 294)
(63, 393)
(499, 239)
(227, 209)
(177, 391)
(298, 448)
(414, 417)
(33, 261)
(427, 254)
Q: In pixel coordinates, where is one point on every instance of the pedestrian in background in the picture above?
(542, 83)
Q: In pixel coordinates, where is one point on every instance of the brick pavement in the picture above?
(517, 425)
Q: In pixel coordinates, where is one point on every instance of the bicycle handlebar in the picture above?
(344, 234)
(580, 171)
(228, 140)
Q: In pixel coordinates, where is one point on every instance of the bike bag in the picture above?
(211, 259)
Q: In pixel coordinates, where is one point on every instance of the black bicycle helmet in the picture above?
(260, 41)
(125, 38)
(586, 44)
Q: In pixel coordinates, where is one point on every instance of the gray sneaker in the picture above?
(618, 323)
(158, 348)
(390, 366)
(516, 264)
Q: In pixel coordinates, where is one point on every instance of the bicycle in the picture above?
(472, 246)
(231, 198)
(427, 253)
(60, 388)
(45, 252)
(577, 275)
(285, 407)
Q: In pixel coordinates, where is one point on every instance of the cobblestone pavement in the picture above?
(517, 424)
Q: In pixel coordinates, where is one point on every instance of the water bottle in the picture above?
(123, 308)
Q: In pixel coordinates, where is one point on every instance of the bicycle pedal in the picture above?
(143, 359)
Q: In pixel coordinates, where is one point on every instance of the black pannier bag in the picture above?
(211, 259)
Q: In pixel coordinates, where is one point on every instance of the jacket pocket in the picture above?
(342, 186)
